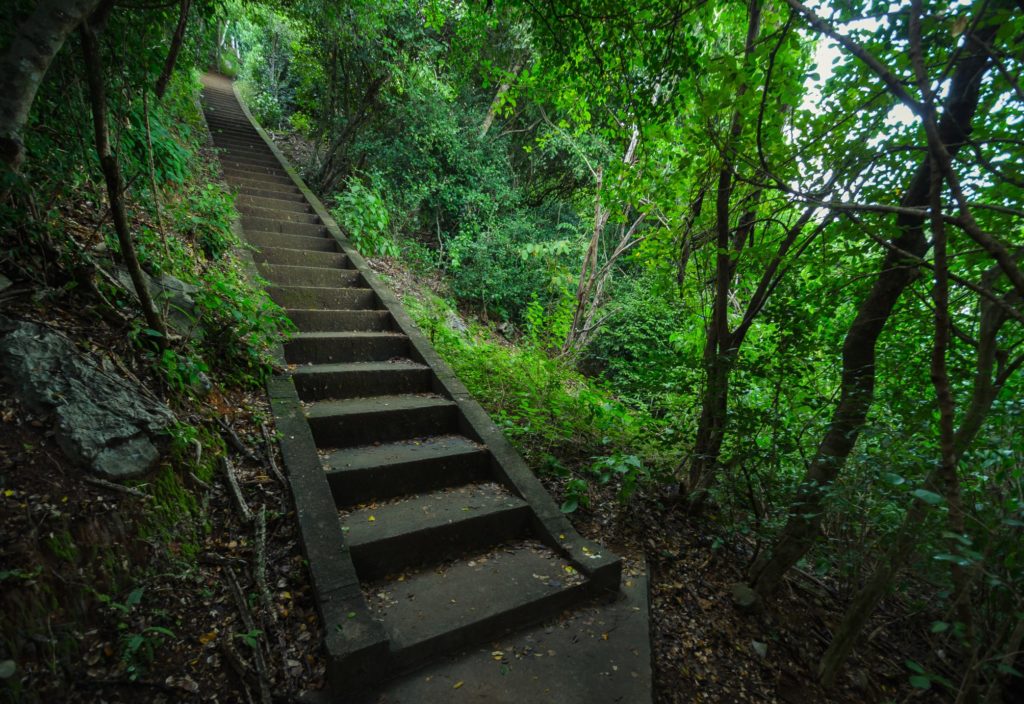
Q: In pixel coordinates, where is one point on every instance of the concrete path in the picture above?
(430, 542)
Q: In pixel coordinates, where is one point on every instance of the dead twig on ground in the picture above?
(252, 632)
(236, 490)
(261, 565)
(234, 441)
(270, 456)
(132, 491)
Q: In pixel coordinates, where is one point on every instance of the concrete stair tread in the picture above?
(370, 524)
(310, 258)
(474, 598)
(403, 452)
(347, 335)
(384, 470)
(363, 420)
(354, 379)
(313, 369)
(371, 404)
(299, 275)
(300, 242)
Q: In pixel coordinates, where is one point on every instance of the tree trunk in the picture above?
(858, 378)
(502, 89)
(112, 173)
(22, 69)
(984, 392)
(719, 352)
(172, 53)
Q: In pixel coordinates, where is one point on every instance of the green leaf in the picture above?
(940, 627)
(570, 505)
(929, 497)
(914, 667)
(920, 682)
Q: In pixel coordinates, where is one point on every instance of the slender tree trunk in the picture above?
(152, 174)
(858, 378)
(172, 53)
(496, 103)
(984, 392)
(112, 173)
(719, 352)
(22, 69)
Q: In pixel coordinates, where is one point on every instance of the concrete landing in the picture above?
(595, 654)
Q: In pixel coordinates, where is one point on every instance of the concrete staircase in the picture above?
(425, 532)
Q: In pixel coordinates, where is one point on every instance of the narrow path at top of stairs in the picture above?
(427, 536)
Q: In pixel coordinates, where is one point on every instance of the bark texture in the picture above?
(36, 41)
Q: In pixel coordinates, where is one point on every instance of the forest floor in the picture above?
(100, 604)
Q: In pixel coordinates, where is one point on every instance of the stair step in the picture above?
(426, 528)
(292, 275)
(282, 226)
(288, 193)
(251, 151)
(256, 177)
(313, 320)
(281, 241)
(221, 126)
(393, 469)
(337, 347)
(271, 213)
(361, 421)
(241, 159)
(473, 600)
(253, 143)
(356, 379)
(279, 204)
(302, 257)
(235, 159)
(278, 184)
(257, 174)
(313, 297)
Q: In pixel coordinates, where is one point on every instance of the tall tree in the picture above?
(899, 268)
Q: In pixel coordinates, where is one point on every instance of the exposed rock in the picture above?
(170, 294)
(102, 420)
(456, 323)
(744, 598)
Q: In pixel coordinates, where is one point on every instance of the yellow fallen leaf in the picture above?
(286, 595)
(8, 492)
(457, 684)
(371, 519)
(207, 637)
(604, 636)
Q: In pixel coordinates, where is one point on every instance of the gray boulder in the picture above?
(103, 420)
(170, 294)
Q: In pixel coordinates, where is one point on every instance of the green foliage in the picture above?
(205, 215)
(241, 323)
(556, 417)
(363, 214)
